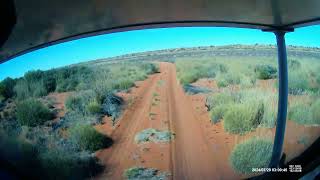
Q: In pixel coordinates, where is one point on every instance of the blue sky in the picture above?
(145, 40)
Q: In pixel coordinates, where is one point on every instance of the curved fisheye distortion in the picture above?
(159, 90)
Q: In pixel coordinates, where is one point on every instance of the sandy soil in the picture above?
(200, 150)
(143, 113)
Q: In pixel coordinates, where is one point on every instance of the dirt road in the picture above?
(192, 156)
(188, 156)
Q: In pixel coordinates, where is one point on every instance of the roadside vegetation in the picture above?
(243, 110)
(244, 97)
(240, 100)
(253, 153)
(56, 147)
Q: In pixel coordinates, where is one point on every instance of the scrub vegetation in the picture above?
(60, 142)
(244, 98)
(61, 147)
(253, 153)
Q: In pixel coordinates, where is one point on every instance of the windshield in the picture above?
(168, 103)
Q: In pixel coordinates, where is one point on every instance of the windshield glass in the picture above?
(168, 103)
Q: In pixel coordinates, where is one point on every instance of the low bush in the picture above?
(136, 173)
(190, 71)
(218, 99)
(19, 155)
(149, 68)
(154, 135)
(253, 153)
(34, 162)
(7, 88)
(74, 118)
(265, 71)
(32, 112)
(298, 82)
(94, 107)
(25, 89)
(244, 110)
(79, 101)
(306, 113)
(294, 64)
(217, 113)
(61, 164)
(243, 117)
(86, 138)
(123, 83)
(224, 80)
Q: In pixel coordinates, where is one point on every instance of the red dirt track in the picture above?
(188, 156)
(199, 150)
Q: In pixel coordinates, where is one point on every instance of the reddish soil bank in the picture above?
(200, 150)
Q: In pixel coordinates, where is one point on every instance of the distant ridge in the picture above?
(210, 51)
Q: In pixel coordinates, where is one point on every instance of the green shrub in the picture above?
(136, 173)
(222, 83)
(25, 89)
(6, 88)
(243, 117)
(315, 109)
(35, 162)
(79, 101)
(260, 104)
(298, 82)
(149, 68)
(253, 153)
(32, 112)
(265, 71)
(270, 113)
(226, 79)
(73, 118)
(188, 78)
(217, 113)
(293, 64)
(19, 154)
(123, 83)
(219, 99)
(62, 164)
(94, 107)
(86, 138)
(305, 113)
(1, 100)
(248, 81)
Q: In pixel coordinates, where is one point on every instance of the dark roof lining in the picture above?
(168, 24)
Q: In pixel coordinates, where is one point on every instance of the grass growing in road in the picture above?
(137, 173)
(253, 153)
(153, 135)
